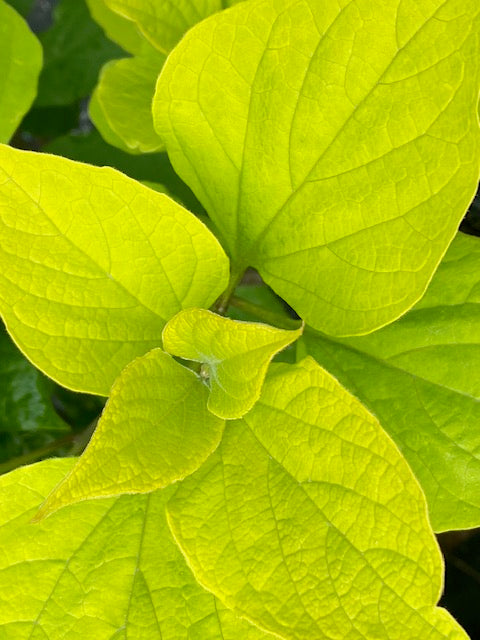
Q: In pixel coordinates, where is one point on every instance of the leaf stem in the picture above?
(223, 302)
(265, 315)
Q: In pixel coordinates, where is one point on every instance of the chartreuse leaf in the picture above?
(420, 376)
(163, 22)
(20, 61)
(119, 29)
(99, 570)
(334, 144)
(155, 430)
(235, 354)
(22, 6)
(92, 265)
(308, 521)
(124, 98)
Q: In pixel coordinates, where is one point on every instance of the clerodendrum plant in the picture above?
(335, 146)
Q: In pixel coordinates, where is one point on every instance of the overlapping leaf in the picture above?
(123, 97)
(122, 31)
(335, 145)
(92, 265)
(308, 521)
(99, 570)
(235, 354)
(20, 61)
(155, 430)
(420, 376)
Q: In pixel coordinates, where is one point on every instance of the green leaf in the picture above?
(92, 265)
(27, 417)
(308, 522)
(91, 148)
(155, 430)
(75, 49)
(335, 145)
(22, 6)
(163, 22)
(21, 61)
(120, 30)
(420, 376)
(124, 96)
(235, 354)
(99, 570)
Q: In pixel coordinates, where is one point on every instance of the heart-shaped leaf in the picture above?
(335, 145)
(308, 521)
(155, 430)
(236, 355)
(99, 570)
(420, 377)
(92, 265)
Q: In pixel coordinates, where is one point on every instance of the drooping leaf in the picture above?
(155, 430)
(27, 417)
(92, 265)
(124, 97)
(163, 22)
(20, 61)
(122, 31)
(235, 355)
(99, 570)
(91, 148)
(420, 376)
(75, 49)
(335, 145)
(308, 521)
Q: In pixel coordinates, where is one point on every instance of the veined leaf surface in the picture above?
(122, 31)
(92, 265)
(155, 430)
(21, 61)
(235, 354)
(420, 376)
(334, 144)
(308, 521)
(99, 570)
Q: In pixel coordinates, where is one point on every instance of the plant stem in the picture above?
(223, 302)
(265, 315)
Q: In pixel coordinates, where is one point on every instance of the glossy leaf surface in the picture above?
(155, 430)
(20, 61)
(236, 355)
(99, 570)
(420, 377)
(335, 145)
(308, 521)
(92, 265)
(124, 96)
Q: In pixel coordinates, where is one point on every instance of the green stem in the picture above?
(223, 302)
(265, 315)
(77, 441)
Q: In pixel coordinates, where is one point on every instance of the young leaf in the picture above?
(236, 355)
(75, 48)
(92, 265)
(308, 522)
(420, 377)
(155, 430)
(124, 98)
(21, 61)
(99, 570)
(163, 22)
(335, 145)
